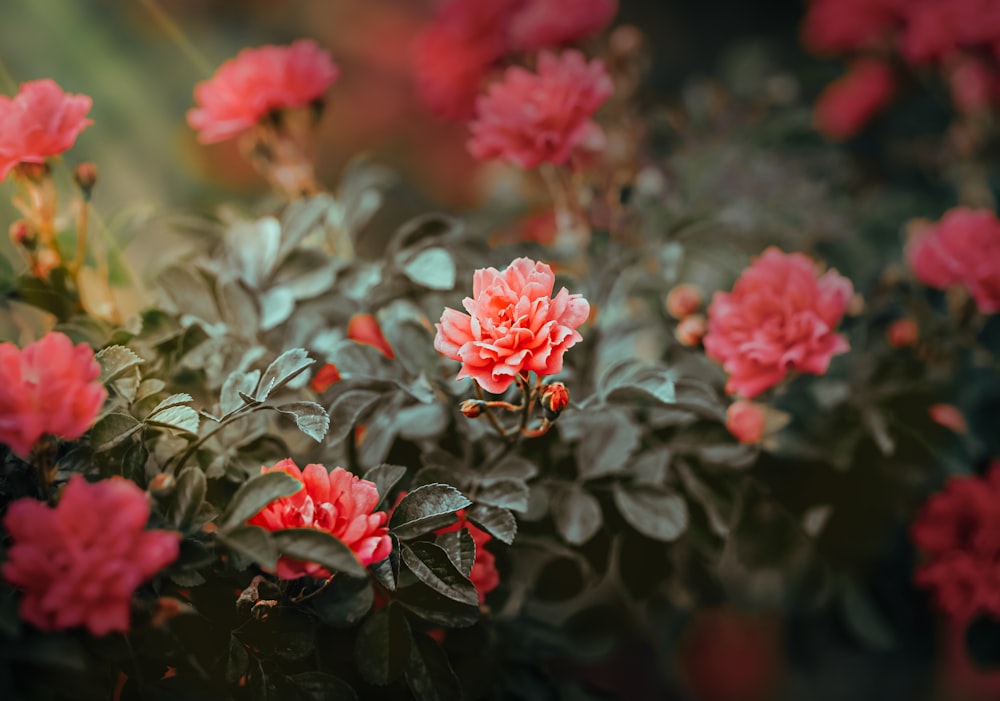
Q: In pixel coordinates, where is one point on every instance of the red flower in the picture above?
(962, 249)
(484, 574)
(49, 387)
(78, 570)
(258, 81)
(364, 328)
(779, 318)
(334, 502)
(848, 103)
(324, 377)
(514, 325)
(834, 26)
(555, 398)
(903, 332)
(543, 24)
(534, 118)
(40, 121)
(746, 421)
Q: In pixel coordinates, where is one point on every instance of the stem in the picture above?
(82, 219)
(173, 30)
(238, 414)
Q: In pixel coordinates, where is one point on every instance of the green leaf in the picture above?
(433, 567)
(425, 509)
(285, 368)
(190, 292)
(239, 308)
(178, 417)
(320, 686)
(659, 515)
(311, 545)
(635, 382)
(344, 601)
(865, 620)
(429, 674)
(608, 441)
(254, 494)
(385, 477)
(234, 388)
(115, 361)
(347, 410)
(382, 650)
(577, 514)
(171, 401)
(500, 523)
(460, 547)
(507, 494)
(386, 572)
(149, 387)
(433, 268)
(187, 498)
(310, 417)
(237, 660)
(436, 608)
(253, 543)
(112, 430)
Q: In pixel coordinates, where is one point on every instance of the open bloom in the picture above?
(779, 318)
(514, 325)
(40, 121)
(49, 387)
(532, 118)
(78, 570)
(258, 81)
(542, 24)
(963, 249)
(849, 103)
(335, 502)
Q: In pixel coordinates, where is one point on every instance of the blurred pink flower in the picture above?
(833, 26)
(542, 24)
(903, 333)
(975, 85)
(49, 387)
(963, 249)
(779, 318)
(746, 421)
(258, 81)
(949, 416)
(78, 570)
(534, 118)
(514, 325)
(930, 32)
(40, 121)
(334, 502)
(847, 104)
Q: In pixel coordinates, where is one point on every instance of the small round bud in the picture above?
(949, 416)
(691, 329)
(683, 300)
(902, 333)
(472, 408)
(85, 176)
(746, 421)
(555, 398)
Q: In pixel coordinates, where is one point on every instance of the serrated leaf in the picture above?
(433, 268)
(429, 674)
(577, 514)
(500, 523)
(507, 494)
(310, 417)
(659, 515)
(253, 543)
(237, 386)
(171, 401)
(187, 498)
(311, 545)
(385, 477)
(112, 430)
(435, 608)
(425, 509)
(282, 370)
(115, 360)
(127, 384)
(460, 547)
(178, 417)
(433, 567)
(256, 493)
(347, 409)
(382, 650)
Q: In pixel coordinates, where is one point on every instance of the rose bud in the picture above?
(472, 408)
(85, 176)
(949, 416)
(162, 484)
(691, 329)
(555, 398)
(683, 301)
(902, 333)
(746, 421)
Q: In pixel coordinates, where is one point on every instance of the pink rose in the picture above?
(513, 326)
(834, 26)
(79, 563)
(334, 502)
(258, 81)
(779, 318)
(847, 104)
(547, 23)
(49, 387)
(746, 421)
(40, 121)
(532, 118)
(961, 249)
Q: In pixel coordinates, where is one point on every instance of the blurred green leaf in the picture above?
(382, 649)
(577, 514)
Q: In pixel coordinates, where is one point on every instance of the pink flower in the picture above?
(962, 249)
(49, 387)
(547, 23)
(534, 118)
(974, 84)
(779, 318)
(79, 563)
(258, 81)
(834, 26)
(40, 121)
(847, 104)
(513, 326)
(334, 502)
(746, 421)
(931, 32)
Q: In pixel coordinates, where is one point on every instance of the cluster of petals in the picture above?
(468, 37)
(962, 249)
(335, 502)
(513, 325)
(49, 387)
(40, 121)
(532, 118)
(257, 82)
(77, 570)
(958, 531)
(779, 318)
(484, 574)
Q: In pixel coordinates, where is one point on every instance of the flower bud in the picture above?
(85, 176)
(162, 484)
(902, 333)
(949, 416)
(746, 421)
(472, 408)
(555, 398)
(683, 301)
(22, 234)
(691, 329)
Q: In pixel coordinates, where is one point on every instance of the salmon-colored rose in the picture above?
(779, 318)
(78, 570)
(335, 502)
(514, 325)
(683, 300)
(50, 387)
